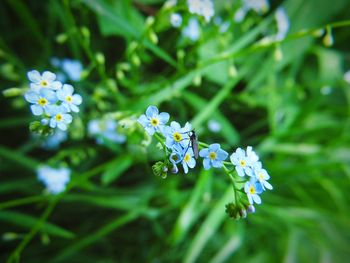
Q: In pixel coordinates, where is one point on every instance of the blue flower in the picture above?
(153, 121)
(55, 180)
(241, 162)
(252, 188)
(175, 20)
(262, 176)
(259, 6)
(192, 30)
(213, 156)
(46, 80)
(203, 8)
(54, 140)
(69, 100)
(176, 135)
(59, 117)
(252, 156)
(73, 68)
(282, 23)
(188, 160)
(40, 99)
(105, 128)
(177, 154)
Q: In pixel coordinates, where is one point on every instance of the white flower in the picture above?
(175, 20)
(282, 23)
(203, 8)
(55, 180)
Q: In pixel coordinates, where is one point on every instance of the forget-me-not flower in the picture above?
(69, 100)
(213, 156)
(176, 20)
(252, 156)
(55, 180)
(192, 30)
(282, 23)
(203, 8)
(252, 188)
(176, 135)
(53, 141)
(46, 80)
(262, 176)
(105, 128)
(259, 6)
(241, 162)
(188, 159)
(40, 99)
(59, 117)
(153, 121)
(73, 68)
(177, 154)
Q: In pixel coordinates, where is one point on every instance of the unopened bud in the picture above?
(278, 55)
(13, 92)
(328, 40)
(61, 38)
(100, 58)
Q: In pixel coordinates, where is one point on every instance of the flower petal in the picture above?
(152, 111)
(68, 89)
(49, 76)
(67, 118)
(31, 96)
(77, 99)
(214, 147)
(163, 117)
(56, 85)
(34, 76)
(37, 110)
(204, 152)
(62, 126)
(206, 163)
(221, 155)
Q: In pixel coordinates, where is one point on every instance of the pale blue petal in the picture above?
(62, 126)
(77, 99)
(268, 185)
(48, 76)
(49, 95)
(60, 95)
(206, 163)
(31, 96)
(221, 155)
(68, 89)
(246, 187)
(56, 85)
(152, 111)
(35, 87)
(234, 159)
(240, 153)
(74, 108)
(204, 152)
(175, 125)
(191, 163)
(214, 147)
(143, 120)
(37, 110)
(250, 199)
(248, 171)
(256, 199)
(94, 127)
(163, 117)
(67, 118)
(216, 163)
(53, 123)
(150, 130)
(184, 165)
(239, 171)
(34, 76)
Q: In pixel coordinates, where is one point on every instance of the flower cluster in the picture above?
(203, 8)
(105, 129)
(55, 180)
(258, 6)
(247, 164)
(51, 100)
(180, 144)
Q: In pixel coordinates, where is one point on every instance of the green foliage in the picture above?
(287, 98)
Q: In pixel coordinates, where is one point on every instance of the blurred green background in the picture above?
(294, 110)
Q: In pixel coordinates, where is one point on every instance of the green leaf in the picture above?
(116, 168)
(28, 222)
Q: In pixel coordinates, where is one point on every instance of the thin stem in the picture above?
(22, 201)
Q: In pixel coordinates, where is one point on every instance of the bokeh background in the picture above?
(289, 99)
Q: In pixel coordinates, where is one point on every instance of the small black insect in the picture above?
(194, 143)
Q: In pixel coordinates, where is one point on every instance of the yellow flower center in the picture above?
(261, 176)
(154, 122)
(252, 190)
(242, 163)
(42, 101)
(177, 136)
(69, 98)
(187, 157)
(59, 117)
(43, 83)
(212, 156)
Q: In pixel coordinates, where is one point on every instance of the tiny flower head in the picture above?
(241, 162)
(282, 23)
(73, 68)
(153, 121)
(69, 100)
(213, 156)
(192, 30)
(176, 135)
(40, 99)
(175, 20)
(188, 160)
(252, 156)
(105, 128)
(177, 154)
(55, 180)
(46, 80)
(262, 176)
(59, 117)
(252, 188)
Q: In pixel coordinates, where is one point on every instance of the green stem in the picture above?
(22, 201)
